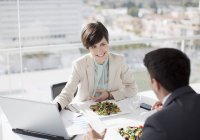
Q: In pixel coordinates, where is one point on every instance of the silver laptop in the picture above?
(34, 118)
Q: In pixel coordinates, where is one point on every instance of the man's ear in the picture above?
(156, 85)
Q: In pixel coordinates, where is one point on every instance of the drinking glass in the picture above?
(136, 100)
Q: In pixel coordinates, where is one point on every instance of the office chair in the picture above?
(57, 88)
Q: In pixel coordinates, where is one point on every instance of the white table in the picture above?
(137, 116)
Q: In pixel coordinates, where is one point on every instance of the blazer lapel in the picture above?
(90, 74)
(111, 73)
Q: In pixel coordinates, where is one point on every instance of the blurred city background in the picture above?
(39, 39)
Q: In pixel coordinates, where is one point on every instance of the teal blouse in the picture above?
(100, 77)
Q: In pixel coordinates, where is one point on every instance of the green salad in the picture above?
(105, 108)
(131, 133)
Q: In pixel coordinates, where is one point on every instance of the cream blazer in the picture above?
(121, 83)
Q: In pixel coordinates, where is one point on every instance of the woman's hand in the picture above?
(103, 95)
(158, 106)
(93, 135)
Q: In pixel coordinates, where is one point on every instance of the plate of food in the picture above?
(105, 108)
(102, 109)
(108, 108)
(131, 132)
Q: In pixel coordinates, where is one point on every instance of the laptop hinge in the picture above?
(40, 135)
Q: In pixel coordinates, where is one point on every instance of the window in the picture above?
(40, 38)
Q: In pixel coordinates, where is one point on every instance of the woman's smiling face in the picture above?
(99, 51)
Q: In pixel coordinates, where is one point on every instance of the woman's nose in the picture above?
(99, 49)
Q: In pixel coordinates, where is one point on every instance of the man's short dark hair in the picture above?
(93, 33)
(171, 67)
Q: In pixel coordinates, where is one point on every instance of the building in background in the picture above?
(37, 23)
(39, 37)
(42, 22)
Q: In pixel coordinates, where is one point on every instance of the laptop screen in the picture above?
(33, 116)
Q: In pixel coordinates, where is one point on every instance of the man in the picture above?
(179, 118)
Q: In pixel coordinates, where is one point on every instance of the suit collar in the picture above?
(177, 93)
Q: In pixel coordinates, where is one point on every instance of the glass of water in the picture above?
(136, 100)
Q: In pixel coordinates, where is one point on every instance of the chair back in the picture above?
(57, 88)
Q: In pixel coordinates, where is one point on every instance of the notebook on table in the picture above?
(34, 118)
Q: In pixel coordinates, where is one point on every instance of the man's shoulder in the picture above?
(160, 115)
(180, 107)
(155, 116)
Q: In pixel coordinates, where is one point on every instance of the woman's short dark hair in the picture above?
(93, 33)
(171, 67)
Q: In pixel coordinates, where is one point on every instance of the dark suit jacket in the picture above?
(178, 120)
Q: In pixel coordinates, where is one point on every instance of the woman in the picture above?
(99, 75)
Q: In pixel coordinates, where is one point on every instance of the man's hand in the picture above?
(93, 135)
(103, 96)
(158, 106)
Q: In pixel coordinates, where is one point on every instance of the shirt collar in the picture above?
(165, 98)
(98, 65)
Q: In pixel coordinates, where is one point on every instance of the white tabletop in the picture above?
(136, 117)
